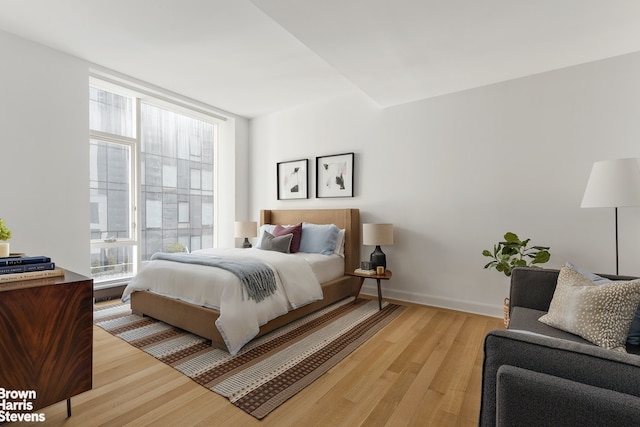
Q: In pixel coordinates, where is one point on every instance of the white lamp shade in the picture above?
(613, 183)
(377, 234)
(246, 229)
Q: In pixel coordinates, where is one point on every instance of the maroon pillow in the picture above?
(296, 230)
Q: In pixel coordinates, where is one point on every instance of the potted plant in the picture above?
(511, 253)
(5, 234)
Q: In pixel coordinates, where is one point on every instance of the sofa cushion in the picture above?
(526, 319)
(600, 314)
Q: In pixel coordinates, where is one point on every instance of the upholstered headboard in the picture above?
(349, 219)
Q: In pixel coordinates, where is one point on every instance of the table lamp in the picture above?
(613, 184)
(246, 229)
(377, 235)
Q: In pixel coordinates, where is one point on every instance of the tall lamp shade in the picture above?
(246, 229)
(613, 184)
(377, 235)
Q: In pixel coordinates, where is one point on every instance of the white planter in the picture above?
(4, 249)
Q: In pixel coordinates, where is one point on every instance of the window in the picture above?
(151, 166)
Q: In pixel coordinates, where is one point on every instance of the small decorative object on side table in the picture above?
(364, 275)
(5, 234)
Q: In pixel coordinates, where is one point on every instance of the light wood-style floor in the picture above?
(423, 369)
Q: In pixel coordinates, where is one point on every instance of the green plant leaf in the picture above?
(511, 237)
(5, 233)
(509, 250)
(541, 257)
(486, 253)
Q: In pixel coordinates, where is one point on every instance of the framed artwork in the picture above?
(334, 175)
(293, 179)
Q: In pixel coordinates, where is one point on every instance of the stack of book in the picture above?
(22, 267)
(368, 272)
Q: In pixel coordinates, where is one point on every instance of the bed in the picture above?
(201, 320)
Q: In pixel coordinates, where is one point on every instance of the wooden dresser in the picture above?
(46, 337)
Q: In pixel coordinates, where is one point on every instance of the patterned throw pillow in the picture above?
(633, 337)
(600, 314)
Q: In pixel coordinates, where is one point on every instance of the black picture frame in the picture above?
(293, 179)
(334, 175)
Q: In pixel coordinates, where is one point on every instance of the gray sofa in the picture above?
(536, 375)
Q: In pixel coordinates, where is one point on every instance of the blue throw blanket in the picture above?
(256, 277)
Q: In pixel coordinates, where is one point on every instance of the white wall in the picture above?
(231, 194)
(454, 173)
(44, 154)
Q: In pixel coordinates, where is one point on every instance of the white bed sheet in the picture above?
(325, 267)
(298, 278)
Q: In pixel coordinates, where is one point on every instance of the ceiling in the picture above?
(255, 57)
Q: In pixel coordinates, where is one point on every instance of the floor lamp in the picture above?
(613, 184)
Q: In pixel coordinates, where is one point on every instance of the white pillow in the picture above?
(340, 243)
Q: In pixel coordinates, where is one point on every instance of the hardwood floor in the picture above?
(423, 369)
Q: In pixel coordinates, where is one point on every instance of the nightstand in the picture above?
(386, 276)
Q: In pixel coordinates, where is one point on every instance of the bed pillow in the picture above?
(295, 231)
(600, 314)
(319, 238)
(276, 243)
(633, 337)
(339, 250)
(265, 227)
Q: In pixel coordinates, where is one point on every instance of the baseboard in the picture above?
(435, 301)
(115, 292)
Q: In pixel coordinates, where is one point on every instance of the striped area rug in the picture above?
(268, 370)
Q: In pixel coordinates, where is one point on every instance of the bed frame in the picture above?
(201, 320)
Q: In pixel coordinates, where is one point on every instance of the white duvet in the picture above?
(240, 318)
